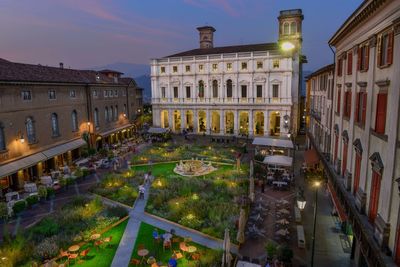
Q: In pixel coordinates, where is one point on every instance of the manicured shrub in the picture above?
(3, 211)
(46, 227)
(42, 191)
(116, 211)
(47, 248)
(32, 200)
(50, 191)
(19, 206)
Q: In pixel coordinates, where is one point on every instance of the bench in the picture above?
(301, 241)
(297, 215)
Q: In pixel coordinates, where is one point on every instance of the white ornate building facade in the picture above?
(234, 90)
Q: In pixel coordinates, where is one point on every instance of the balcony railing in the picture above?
(227, 100)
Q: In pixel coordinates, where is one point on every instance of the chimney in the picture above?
(61, 65)
(206, 37)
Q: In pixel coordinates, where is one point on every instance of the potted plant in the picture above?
(42, 192)
(271, 249)
(32, 200)
(19, 206)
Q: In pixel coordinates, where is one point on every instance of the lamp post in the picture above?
(316, 185)
(88, 125)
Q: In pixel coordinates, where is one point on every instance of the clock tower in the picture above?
(290, 29)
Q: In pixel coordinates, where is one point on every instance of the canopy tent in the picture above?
(278, 160)
(157, 130)
(273, 142)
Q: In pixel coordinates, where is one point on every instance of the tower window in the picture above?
(286, 28)
(201, 67)
(229, 66)
(259, 65)
(244, 65)
(175, 69)
(162, 69)
(293, 28)
(275, 64)
(214, 67)
(187, 68)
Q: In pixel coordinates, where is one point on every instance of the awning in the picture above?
(336, 203)
(311, 157)
(57, 150)
(107, 133)
(278, 160)
(157, 130)
(23, 163)
(273, 142)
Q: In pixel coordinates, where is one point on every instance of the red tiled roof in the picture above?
(11, 71)
(228, 49)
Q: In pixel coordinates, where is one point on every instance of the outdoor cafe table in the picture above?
(46, 180)
(143, 253)
(270, 178)
(30, 187)
(95, 236)
(74, 248)
(12, 196)
(191, 249)
(279, 184)
(246, 264)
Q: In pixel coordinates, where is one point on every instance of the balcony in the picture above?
(226, 100)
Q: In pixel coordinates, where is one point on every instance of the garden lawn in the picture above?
(208, 257)
(105, 255)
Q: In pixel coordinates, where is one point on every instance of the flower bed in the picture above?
(208, 257)
(72, 224)
(205, 203)
(120, 187)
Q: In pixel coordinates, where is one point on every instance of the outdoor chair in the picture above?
(98, 243)
(141, 246)
(135, 262)
(85, 253)
(107, 240)
(178, 255)
(196, 256)
(166, 244)
(63, 253)
(72, 256)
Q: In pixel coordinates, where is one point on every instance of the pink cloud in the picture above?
(226, 7)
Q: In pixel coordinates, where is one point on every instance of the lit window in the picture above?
(30, 130)
(54, 125)
(275, 63)
(74, 120)
(72, 94)
(162, 69)
(96, 117)
(201, 67)
(244, 65)
(259, 65)
(214, 67)
(187, 68)
(175, 69)
(229, 66)
(26, 95)
(94, 93)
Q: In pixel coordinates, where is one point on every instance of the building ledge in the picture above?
(383, 137)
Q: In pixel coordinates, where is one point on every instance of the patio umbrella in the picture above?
(251, 189)
(226, 246)
(282, 232)
(283, 221)
(242, 224)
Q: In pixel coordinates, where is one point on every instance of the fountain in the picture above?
(193, 167)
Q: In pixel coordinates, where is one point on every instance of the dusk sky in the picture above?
(88, 33)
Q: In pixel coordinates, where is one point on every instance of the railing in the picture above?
(226, 100)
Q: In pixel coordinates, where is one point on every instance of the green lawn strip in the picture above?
(104, 255)
(156, 250)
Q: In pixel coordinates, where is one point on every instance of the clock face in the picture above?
(287, 46)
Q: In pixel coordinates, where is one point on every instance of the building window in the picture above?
(116, 93)
(259, 65)
(259, 91)
(286, 28)
(106, 114)
(96, 117)
(26, 95)
(380, 120)
(163, 92)
(187, 68)
(94, 93)
(74, 120)
(361, 107)
(201, 89)
(175, 92)
(275, 63)
(52, 94)
(338, 102)
(293, 28)
(105, 93)
(340, 66)
(175, 69)
(357, 168)
(187, 91)
(2, 138)
(244, 91)
(229, 88)
(349, 63)
(244, 65)
(374, 195)
(347, 104)
(214, 67)
(111, 114)
(123, 92)
(72, 94)
(30, 130)
(116, 113)
(162, 69)
(54, 125)
(363, 58)
(124, 110)
(201, 67)
(215, 88)
(228, 66)
(275, 90)
(385, 49)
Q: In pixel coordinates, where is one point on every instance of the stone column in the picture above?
(195, 121)
(170, 119)
(266, 123)
(183, 119)
(208, 123)
(251, 123)
(236, 122)
(221, 122)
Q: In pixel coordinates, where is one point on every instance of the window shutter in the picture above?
(381, 114)
(379, 54)
(364, 107)
(357, 110)
(349, 104)
(390, 48)
(338, 102)
(359, 58)
(366, 58)
(349, 63)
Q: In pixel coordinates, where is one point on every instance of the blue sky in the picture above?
(86, 33)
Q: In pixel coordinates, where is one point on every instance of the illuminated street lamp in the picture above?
(301, 200)
(316, 184)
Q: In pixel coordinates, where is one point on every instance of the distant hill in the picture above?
(144, 81)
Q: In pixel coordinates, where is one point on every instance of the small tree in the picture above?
(271, 249)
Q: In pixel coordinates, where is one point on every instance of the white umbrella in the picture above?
(283, 221)
(242, 224)
(226, 246)
(251, 189)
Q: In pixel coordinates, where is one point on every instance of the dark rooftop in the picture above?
(228, 49)
(110, 71)
(11, 71)
(330, 67)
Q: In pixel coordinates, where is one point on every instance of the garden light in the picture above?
(195, 197)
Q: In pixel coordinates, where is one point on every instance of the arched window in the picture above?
(116, 113)
(96, 117)
(293, 28)
(74, 120)
(30, 130)
(106, 114)
(2, 138)
(229, 88)
(54, 125)
(286, 28)
(215, 88)
(111, 114)
(201, 89)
